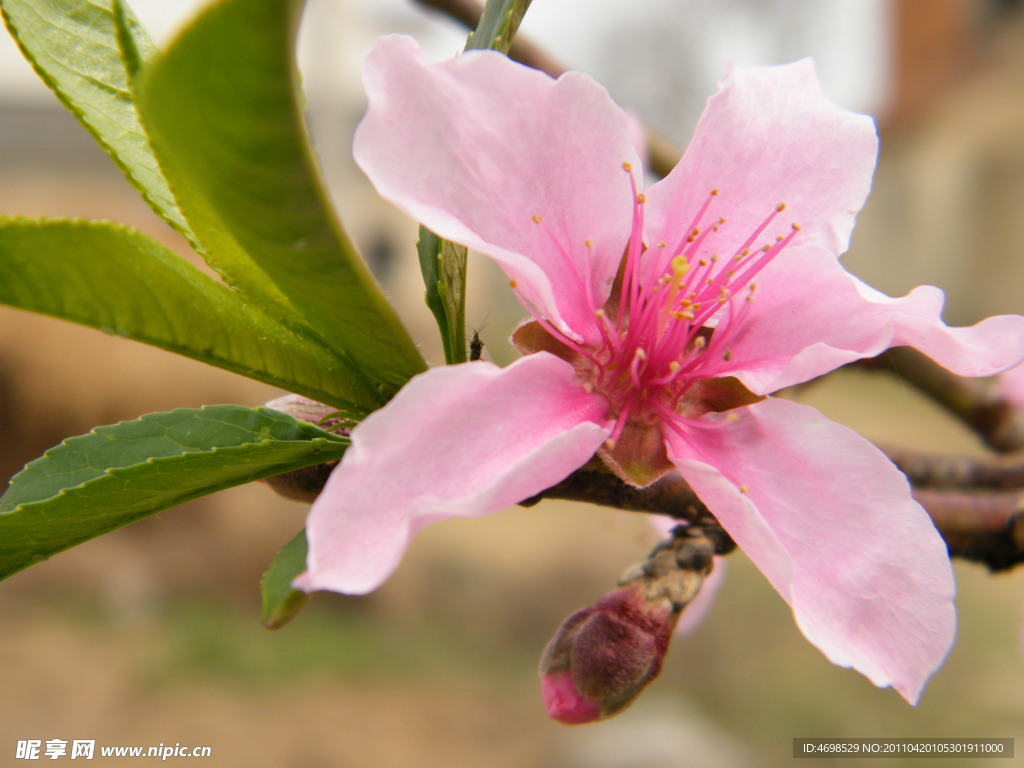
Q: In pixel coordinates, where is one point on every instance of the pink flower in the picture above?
(661, 320)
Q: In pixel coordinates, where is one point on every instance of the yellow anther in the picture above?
(780, 207)
(779, 238)
(674, 366)
(703, 262)
(796, 227)
(732, 416)
(513, 284)
(744, 488)
(536, 218)
(745, 252)
(640, 354)
(641, 198)
(714, 191)
(588, 243)
(662, 244)
(627, 167)
(727, 356)
(599, 313)
(766, 248)
(722, 220)
(700, 342)
(609, 445)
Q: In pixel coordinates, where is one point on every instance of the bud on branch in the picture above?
(603, 656)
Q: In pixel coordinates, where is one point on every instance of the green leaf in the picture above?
(498, 25)
(280, 601)
(222, 107)
(443, 265)
(118, 280)
(114, 475)
(73, 46)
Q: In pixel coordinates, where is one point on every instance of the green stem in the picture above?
(443, 264)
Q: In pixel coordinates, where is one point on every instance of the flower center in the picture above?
(674, 307)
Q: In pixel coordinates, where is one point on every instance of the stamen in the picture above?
(639, 358)
(608, 334)
(620, 425)
(550, 328)
(671, 420)
(673, 371)
(631, 271)
(763, 226)
(695, 224)
(583, 282)
(763, 261)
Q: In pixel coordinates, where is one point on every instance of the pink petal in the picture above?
(457, 441)
(809, 316)
(564, 703)
(831, 523)
(770, 136)
(475, 147)
(1012, 385)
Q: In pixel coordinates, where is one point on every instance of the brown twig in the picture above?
(984, 527)
(978, 524)
(962, 472)
(978, 403)
(468, 12)
(670, 496)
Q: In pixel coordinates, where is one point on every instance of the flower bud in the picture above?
(604, 655)
(305, 484)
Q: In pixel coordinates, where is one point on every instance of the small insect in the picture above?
(476, 345)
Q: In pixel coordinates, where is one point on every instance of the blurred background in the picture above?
(151, 634)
